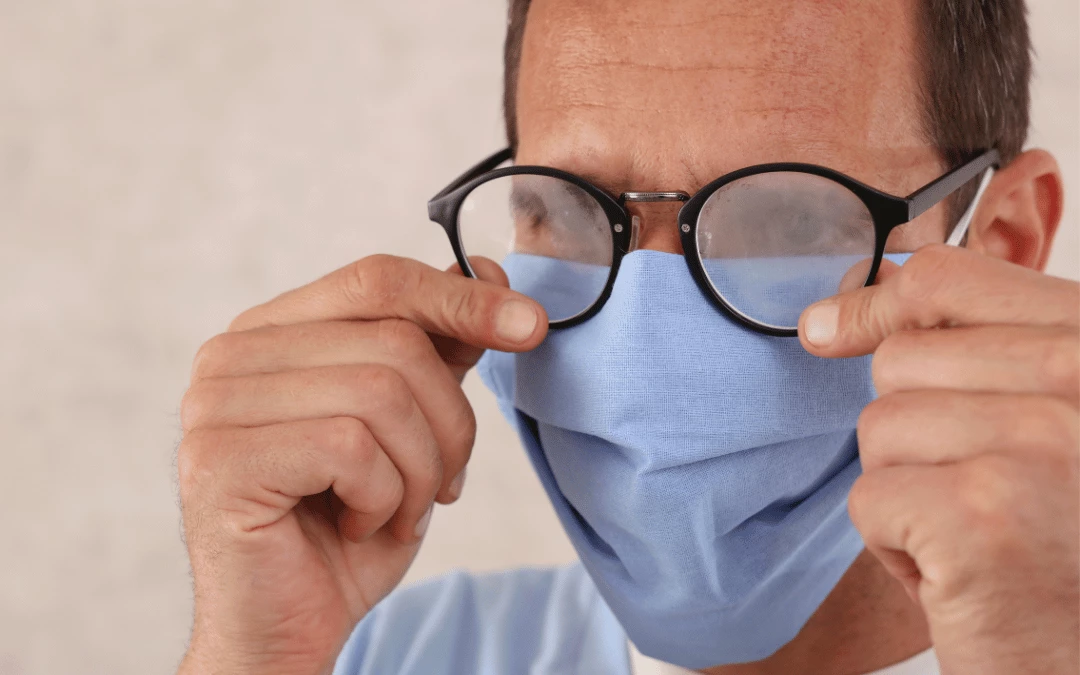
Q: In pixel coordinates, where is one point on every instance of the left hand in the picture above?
(970, 456)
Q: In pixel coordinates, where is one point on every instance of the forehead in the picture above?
(662, 95)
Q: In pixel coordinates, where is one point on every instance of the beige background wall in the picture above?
(165, 164)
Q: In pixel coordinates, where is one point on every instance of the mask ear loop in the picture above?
(635, 230)
(960, 231)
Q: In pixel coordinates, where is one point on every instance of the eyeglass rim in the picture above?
(887, 211)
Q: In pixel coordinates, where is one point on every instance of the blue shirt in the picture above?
(518, 622)
(522, 621)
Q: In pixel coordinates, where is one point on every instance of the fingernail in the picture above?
(422, 524)
(821, 322)
(515, 321)
(456, 485)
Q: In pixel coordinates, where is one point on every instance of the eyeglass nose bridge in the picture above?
(674, 196)
(635, 222)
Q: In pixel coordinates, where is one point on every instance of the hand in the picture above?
(969, 494)
(318, 431)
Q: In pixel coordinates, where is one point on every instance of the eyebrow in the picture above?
(522, 194)
(624, 180)
(596, 180)
(521, 191)
(591, 176)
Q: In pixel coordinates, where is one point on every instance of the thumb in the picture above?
(459, 356)
(485, 268)
(851, 323)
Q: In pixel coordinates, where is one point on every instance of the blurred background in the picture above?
(166, 164)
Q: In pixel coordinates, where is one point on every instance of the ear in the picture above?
(1020, 211)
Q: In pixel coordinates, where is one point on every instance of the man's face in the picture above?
(650, 95)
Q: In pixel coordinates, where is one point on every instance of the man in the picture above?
(321, 428)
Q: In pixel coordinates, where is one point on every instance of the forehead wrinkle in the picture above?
(573, 48)
(569, 66)
(588, 81)
(641, 95)
(601, 63)
(687, 101)
(731, 10)
(750, 44)
(581, 59)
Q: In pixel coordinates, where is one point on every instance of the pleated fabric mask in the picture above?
(700, 469)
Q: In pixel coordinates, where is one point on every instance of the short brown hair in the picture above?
(976, 66)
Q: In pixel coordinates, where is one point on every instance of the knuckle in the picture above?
(240, 323)
(385, 496)
(214, 356)
(924, 272)
(987, 492)
(350, 437)
(465, 308)
(872, 420)
(1039, 424)
(1056, 424)
(404, 340)
(1059, 362)
(1043, 425)
(194, 463)
(197, 404)
(386, 388)
(465, 432)
(887, 363)
(429, 475)
(457, 445)
(243, 320)
(860, 498)
(375, 281)
(391, 493)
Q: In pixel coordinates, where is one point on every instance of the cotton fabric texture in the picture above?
(700, 469)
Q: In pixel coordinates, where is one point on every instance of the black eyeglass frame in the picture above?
(887, 211)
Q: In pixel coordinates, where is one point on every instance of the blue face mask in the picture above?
(700, 469)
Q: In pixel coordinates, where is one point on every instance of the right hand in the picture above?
(318, 432)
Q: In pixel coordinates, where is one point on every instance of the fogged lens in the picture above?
(774, 243)
(552, 238)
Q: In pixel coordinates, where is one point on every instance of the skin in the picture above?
(318, 432)
(321, 427)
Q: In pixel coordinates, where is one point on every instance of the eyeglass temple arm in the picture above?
(957, 236)
(483, 167)
(929, 195)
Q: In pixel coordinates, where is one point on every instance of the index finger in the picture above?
(939, 286)
(379, 287)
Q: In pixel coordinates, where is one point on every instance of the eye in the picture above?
(527, 207)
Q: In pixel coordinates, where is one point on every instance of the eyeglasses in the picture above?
(763, 243)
